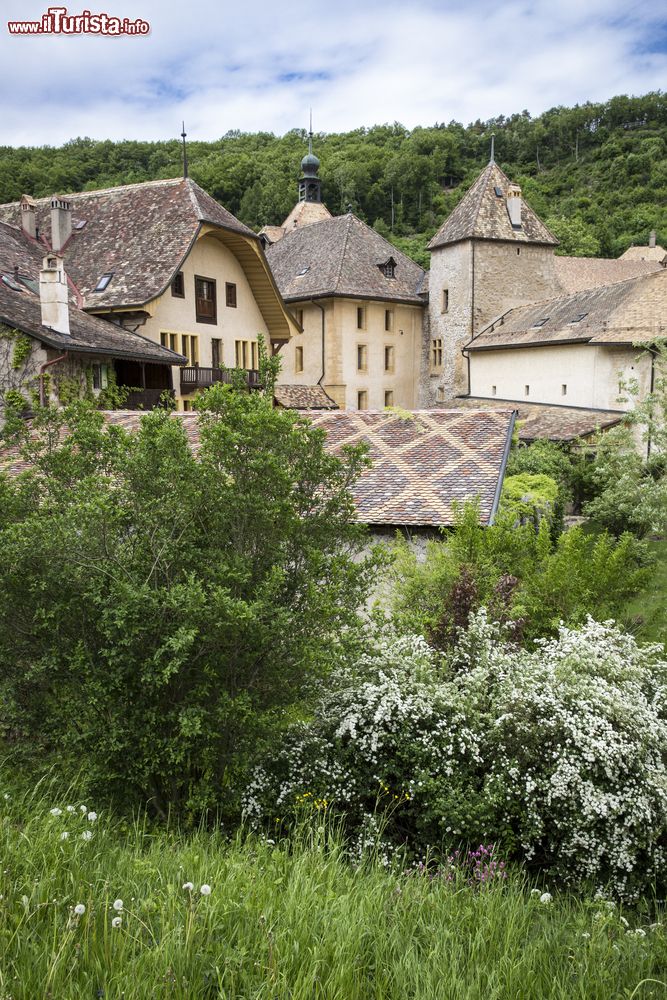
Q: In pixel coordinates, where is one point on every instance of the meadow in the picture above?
(92, 906)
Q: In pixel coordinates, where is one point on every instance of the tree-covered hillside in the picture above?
(596, 173)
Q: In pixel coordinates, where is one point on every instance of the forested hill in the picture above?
(596, 173)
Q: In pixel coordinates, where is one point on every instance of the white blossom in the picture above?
(87, 835)
(56, 811)
(546, 898)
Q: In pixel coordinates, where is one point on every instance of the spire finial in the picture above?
(310, 133)
(185, 153)
(493, 148)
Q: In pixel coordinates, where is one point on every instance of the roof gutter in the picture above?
(42, 370)
(321, 308)
(503, 467)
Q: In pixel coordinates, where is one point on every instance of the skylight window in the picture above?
(103, 282)
(578, 318)
(80, 223)
(304, 270)
(541, 322)
(499, 192)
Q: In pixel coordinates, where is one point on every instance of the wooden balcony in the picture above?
(201, 378)
(146, 399)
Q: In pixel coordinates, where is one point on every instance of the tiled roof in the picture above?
(303, 397)
(140, 232)
(422, 462)
(88, 334)
(655, 254)
(542, 420)
(576, 274)
(627, 312)
(341, 256)
(482, 214)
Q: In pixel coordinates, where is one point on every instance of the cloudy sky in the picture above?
(262, 64)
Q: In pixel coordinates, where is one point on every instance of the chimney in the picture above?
(651, 239)
(28, 218)
(61, 222)
(514, 205)
(53, 294)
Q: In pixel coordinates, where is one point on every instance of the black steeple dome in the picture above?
(309, 182)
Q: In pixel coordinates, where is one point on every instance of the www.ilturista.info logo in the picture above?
(57, 21)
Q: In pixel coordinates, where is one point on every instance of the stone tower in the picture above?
(490, 254)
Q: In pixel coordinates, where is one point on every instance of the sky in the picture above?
(261, 65)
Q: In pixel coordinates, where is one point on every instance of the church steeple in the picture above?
(309, 182)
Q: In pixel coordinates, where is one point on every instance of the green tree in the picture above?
(162, 613)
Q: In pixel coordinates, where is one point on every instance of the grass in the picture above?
(647, 612)
(290, 920)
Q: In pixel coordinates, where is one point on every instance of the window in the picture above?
(299, 317)
(499, 192)
(230, 294)
(100, 376)
(173, 342)
(304, 270)
(388, 268)
(445, 300)
(102, 283)
(216, 352)
(389, 320)
(578, 319)
(362, 358)
(389, 359)
(247, 354)
(362, 400)
(178, 286)
(164, 338)
(298, 359)
(205, 302)
(389, 397)
(541, 322)
(436, 353)
(440, 395)
(518, 251)
(187, 406)
(361, 318)
(190, 348)
(526, 390)
(494, 390)
(563, 390)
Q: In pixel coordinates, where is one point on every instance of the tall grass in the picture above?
(292, 920)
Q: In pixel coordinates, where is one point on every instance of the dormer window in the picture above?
(388, 268)
(52, 262)
(103, 282)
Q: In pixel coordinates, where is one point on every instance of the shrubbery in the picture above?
(518, 573)
(558, 755)
(160, 611)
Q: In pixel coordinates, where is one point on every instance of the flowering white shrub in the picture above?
(558, 754)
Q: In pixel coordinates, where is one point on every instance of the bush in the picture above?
(532, 497)
(521, 575)
(161, 612)
(558, 755)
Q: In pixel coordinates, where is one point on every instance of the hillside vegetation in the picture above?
(597, 173)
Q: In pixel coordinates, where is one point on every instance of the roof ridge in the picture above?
(348, 219)
(107, 190)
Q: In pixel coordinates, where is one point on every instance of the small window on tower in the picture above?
(389, 320)
(362, 400)
(445, 300)
(361, 318)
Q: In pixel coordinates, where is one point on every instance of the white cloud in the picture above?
(262, 65)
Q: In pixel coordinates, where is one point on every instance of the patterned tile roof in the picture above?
(342, 256)
(304, 213)
(139, 232)
(482, 214)
(543, 420)
(576, 274)
(303, 397)
(627, 312)
(422, 462)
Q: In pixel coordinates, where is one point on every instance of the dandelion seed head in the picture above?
(118, 904)
(546, 898)
(79, 909)
(116, 921)
(188, 886)
(92, 816)
(64, 835)
(205, 890)
(56, 811)
(87, 835)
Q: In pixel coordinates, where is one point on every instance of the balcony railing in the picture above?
(201, 378)
(146, 399)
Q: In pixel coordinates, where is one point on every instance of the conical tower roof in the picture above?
(482, 215)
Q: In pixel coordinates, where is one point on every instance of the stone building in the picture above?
(165, 259)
